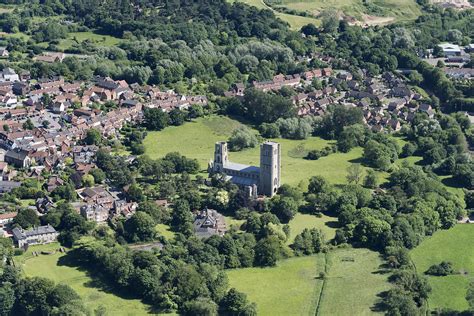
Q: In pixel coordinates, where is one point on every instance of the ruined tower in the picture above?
(221, 157)
(270, 168)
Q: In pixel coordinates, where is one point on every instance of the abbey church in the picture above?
(262, 180)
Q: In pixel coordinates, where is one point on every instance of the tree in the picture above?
(88, 180)
(140, 227)
(370, 180)
(284, 208)
(28, 124)
(176, 117)
(98, 174)
(415, 77)
(155, 119)
(202, 306)
(26, 218)
(7, 299)
(268, 251)
(354, 173)
(329, 21)
(442, 269)
(93, 137)
(235, 303)
(241, 138)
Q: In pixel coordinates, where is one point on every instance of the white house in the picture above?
(450, 49)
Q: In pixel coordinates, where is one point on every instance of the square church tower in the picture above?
(270, 168)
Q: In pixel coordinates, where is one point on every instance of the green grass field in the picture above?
(454, 245)
(295, 21)
(294, 286)
(93, 294)
(98, 39)
(291, 288)
(353, 282)
(196, 140)
(301, 221)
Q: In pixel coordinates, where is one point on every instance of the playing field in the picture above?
(196, 140)
(91, 291)
(454, 245)
(294, 286)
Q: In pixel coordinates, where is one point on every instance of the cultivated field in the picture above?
(91, 290)
(294, 287)
(454, 245)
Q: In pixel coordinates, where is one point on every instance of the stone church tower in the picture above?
(270, 168)
(221, 157)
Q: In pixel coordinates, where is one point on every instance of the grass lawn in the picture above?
(290, 288)
(454, 245)
(301, 221)
(93, 294)
(196, 140)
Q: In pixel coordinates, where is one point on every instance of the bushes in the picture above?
(241, 138)
(442, 269)
(315, 154)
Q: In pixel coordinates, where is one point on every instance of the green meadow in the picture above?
(196, 139)
(94, 294)
(294, 286)
(456, 246)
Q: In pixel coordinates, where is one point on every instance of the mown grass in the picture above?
(454, 245)
(91, 291)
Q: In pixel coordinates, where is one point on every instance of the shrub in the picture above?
(442, 269)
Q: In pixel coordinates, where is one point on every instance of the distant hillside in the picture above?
(370, 12)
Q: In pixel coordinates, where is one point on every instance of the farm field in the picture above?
(293, 286)
(196, 140)
(93, 294)
(454, 245)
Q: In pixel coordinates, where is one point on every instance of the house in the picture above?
(7, 218)
(36, 236)
(20, 88)
(208, 223)
(43, 204)
(95, 213)
(4, 52)
(18, 157)
(8, 186)
(50, 57)
(8, 74)
(450, 49)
